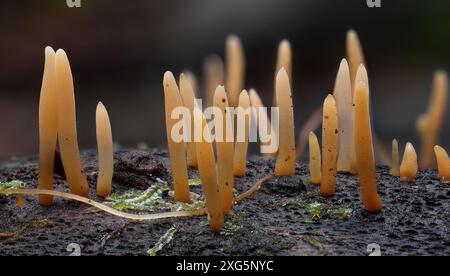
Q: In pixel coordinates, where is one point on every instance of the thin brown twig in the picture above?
(103, 207)
(254, 188)
(136, 217)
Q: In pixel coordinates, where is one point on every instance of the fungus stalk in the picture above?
(330, 147)
(355, 56)
(344, 101)
(361, 77)
(191, 79)
(314, 159)
(213, 70)
(105, 151)
(243, 132)
(224, 150)
(409, 166)
(395, 159)
(176, 148)
(235, 69)
(188, 98)
(67, 129)
(443, 162)
(284, 60)
(208, 175)
(429, 124)
(48, 124)
(286, 161)
(364, 149)
(262, 119)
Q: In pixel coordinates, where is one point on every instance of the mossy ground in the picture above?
(287, 216)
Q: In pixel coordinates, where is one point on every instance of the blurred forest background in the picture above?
(120, 49)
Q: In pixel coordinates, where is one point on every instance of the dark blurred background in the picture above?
(120, 49)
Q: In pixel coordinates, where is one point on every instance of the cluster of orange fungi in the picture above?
(347, 133)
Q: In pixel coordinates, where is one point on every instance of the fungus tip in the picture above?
(443, 163)
(409, 166)
(168, 77)
(351, 33)
(61, 52)
(282, 73)
(395, 169)
(49, 50)
(364, 150)
(361, 75)
(284, 43)
(329, 98)
(232, 39)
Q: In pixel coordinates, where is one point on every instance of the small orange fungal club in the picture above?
(364, 149)
(443, 162)
(105, 151)
(430, 123)
(208, 174)
(243, 132)
(188, 97)
(235, 69)
(355, 55)
(286, 158)
(330, 147)
(361, 76)
(409, 166)
(224, 150)
(67, 130)
(395, 159)
(343, 95)
(314, 159)
(177, 154)
(48, 125)
(284, 60)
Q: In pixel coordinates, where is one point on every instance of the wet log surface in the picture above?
(286, 216)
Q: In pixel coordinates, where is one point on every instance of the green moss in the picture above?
(230, 228)
(156, 198)
(163, 241)
(11, 185)
(195, 182)
(136, 200)
(318, 210)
